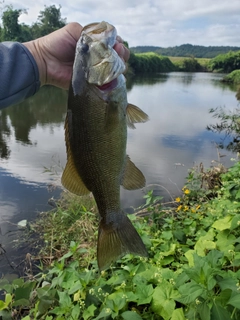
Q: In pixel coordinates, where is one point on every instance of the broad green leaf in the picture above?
(22, 294)
(2, 305)
(235, 300)
(5, 315)
(89, 312)
(223, 224)
(144, 293)
(130, 315)
(203, 245)
(44, 305)
(220, 313)
(163, 300)
(235, 222)
(178, 314)
(64, 299)
(8, 299)
(189, 292)
(117, 300)
(204, 311)
(106, 312)
(189, 256)
(228, 283)
(75, 312)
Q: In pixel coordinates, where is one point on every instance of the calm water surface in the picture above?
(174, 140)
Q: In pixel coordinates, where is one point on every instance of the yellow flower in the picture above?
(178, 199)
(193, 210)
(198, 207)
(186, 191)
(185, 208)
(179, 208)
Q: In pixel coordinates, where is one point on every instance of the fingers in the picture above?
(74, 29)
(122, 51)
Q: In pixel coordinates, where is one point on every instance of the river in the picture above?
(32, 148)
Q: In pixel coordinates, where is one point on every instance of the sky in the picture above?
(161, 23)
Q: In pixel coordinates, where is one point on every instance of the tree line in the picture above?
(49, 20)
(186, 50)
(151, 59)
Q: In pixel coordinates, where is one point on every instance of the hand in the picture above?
(54, 54)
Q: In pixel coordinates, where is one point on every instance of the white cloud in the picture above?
(153, 22)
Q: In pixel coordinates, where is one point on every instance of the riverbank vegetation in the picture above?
(147, 59)
(193, 269)
(186, 50)
(232, 77)
(225, 62)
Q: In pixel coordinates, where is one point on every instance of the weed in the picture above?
(193, 269)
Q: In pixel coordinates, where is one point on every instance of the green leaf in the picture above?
(163, 300)
(2, 305)
(144, 293)
(178, 314)
(202, 246)
(106, 312)
(116, 301)
(204, 311)
(130, 315)
(220, 313)
(223, 224)
(8, 299)
(235, 222)
(89, 312)
(75, 312)
(64, 299)
(5, 315)
(235, 300)
(189, 292)
(189, 255)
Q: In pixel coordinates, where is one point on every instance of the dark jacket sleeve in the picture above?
(19, 76)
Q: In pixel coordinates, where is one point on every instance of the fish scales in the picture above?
(96, 137)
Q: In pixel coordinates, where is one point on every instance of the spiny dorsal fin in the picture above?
(70, 178)
(132, 177)
(135, 115)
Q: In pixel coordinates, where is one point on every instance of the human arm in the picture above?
(46, 60)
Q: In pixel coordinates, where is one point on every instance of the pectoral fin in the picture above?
(70, 178)
(132, 177)
(135, 115)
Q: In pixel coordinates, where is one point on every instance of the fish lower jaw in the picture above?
(109, 86)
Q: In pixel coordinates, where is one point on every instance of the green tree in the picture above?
(49, 20)
(11, 29)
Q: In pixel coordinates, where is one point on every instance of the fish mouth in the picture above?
(109, 86)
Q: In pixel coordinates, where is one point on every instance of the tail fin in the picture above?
(117, 237)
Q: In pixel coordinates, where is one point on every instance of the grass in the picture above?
(179, 61)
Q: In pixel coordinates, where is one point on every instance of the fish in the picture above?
(96, 136)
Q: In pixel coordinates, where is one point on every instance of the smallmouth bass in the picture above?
(96, 135)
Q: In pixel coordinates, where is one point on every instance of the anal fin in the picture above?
(132, 177)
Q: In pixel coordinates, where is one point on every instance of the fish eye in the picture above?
(84, 48)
